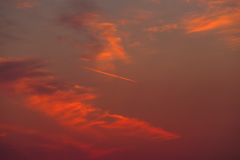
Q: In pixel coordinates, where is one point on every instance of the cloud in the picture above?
(135, 44)
(204, 23)
(23, 4)
(167, 27)
(163, 28)
(16, 69)
(29, 143)
(219, 17)
(103, 44)
(94, 131)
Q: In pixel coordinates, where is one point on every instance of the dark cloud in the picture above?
(4, 24)
(11, 70)
(30, 71)
(25, 144)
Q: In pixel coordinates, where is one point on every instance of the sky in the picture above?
(119, 79)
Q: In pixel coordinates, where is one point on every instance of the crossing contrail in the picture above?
(109, 74)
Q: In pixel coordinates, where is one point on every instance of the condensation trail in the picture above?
(108, 74)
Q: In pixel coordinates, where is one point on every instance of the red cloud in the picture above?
(94, 130)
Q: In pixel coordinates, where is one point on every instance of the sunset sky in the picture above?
(119, 79)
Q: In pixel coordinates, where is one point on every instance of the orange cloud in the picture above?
(97, 132)
(206, 23)
(219, 17)
(106, 46)
(113, 50)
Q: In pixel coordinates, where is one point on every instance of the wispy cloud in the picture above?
(167, 27)
(104, 45)
(135, 44)
(24, 141)
(218, 17)
(99, 132)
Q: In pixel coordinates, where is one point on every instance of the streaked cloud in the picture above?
(98, 132)
(219, 17)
